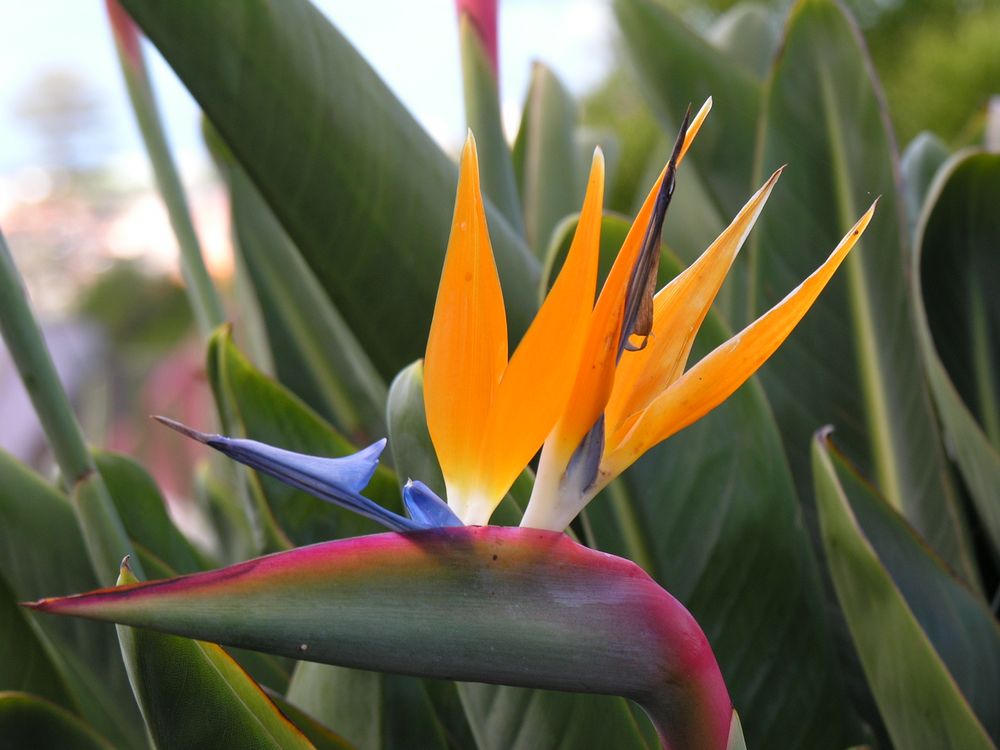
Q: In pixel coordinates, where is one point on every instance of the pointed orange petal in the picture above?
(536, 384)
(720, 373)
(596, 375)
(678, 311)
(467, 345)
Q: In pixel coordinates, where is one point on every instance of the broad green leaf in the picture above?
(31, 721)
(362, 191)
(42, 553)
(679, 69)
(194, 695)
(482, 114)
(314, 352)
(920, 162)
(853, 361)
(371, 710)
(24, 663)
(748, 33)
(917, 696)
(265, 411)
(956, 270)
(506, 605)
(144, 513)
(957, 622)
(548, 165)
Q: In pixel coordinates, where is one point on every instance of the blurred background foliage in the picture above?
(936, 59)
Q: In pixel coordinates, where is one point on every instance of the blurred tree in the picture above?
(64, 112)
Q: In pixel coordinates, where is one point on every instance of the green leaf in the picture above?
(266, 411)
(42, 553)
(482, 113)
(371, 710)
(102, 529)
(957, 622)
(194, 695)
(956, 269)
(361, 190)
(917, 696)
(854, 360)
(322, 737)
(679, 69)
(24, 663)
(921, 160)
(202, 295)
(505, 718)
(549, 170)
(216, 491)
(30, 721)
(144, 512)
(748, 34)
(409, 440)
(314, 352)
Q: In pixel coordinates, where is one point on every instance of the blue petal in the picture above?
(426, 508)
(336, 480)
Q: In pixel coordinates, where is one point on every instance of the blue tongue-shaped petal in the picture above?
(336, 480)
(426, 508)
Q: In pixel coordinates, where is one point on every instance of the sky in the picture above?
(413, 45)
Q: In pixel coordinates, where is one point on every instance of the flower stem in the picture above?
(102, 528)
(204, 298)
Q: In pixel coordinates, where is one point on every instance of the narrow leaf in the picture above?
(482, 112)
(194, 695)
(917, 697)
(547, 161)
(315, 353)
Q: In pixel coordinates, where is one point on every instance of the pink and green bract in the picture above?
(513, 606)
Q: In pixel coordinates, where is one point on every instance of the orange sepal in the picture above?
(678, 311)
(536, 384)
(726, 368)
(467, 344)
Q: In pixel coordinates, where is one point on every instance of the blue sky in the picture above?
(416, 52)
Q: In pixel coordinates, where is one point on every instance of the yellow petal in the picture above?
(720, 373)
(536, 384)
(467, 345)
(678, 311)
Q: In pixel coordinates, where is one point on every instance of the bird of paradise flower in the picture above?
(594, 385)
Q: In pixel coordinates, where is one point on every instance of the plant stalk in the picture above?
(202, 294)
(103, 532)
